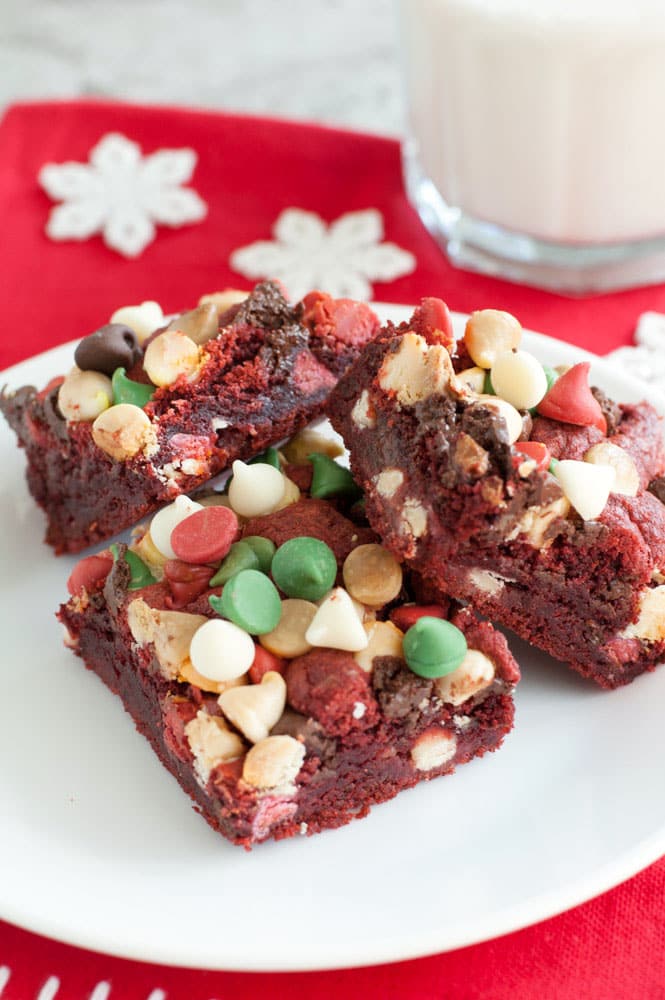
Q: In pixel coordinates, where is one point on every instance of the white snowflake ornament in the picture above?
(646, 360)
(121, 194)
(341, 258)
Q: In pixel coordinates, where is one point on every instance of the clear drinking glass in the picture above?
(536, 144)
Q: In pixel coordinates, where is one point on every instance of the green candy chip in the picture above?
(126, 391)
(488, 388)
(239, 557)
(304, 567)
(268, 457)
(250, 600)
(263, 549)
(434, 647)
(331, 480)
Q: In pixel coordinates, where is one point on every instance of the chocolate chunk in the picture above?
(117, 582)
(610, 410)
(309, 731)
(657, 487)
(266, 307)
(112, 346)
(400, 693)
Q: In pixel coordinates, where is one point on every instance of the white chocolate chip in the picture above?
(200, 324)
(310, 442)
(363, 414)
(388, 482)
(414, 517)
(415, 372)
(255, 709)
(255, 489)
(487, 582)
(627, 479)
(221, 651)
(474, 674)
(359, 709)
(212, 743)
(519, 378)
(489, 331)
(170, 632)
(383, 639)
(587, 486)
(502, 408)
(336, 624)
(274, 763)
(143, 319)
(650, 625)
(84, 395)
(432, 750)
(169, 356)
(165, 521)
(124, 430)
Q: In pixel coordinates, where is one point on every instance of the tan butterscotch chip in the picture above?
(388, 482)
(372, 575)
(489, 332)
(146, 550)
(309, 442)
(169, 356)
(200, 324)
(288, 639)
(190, 675)
(123, 431)
(385, 639)
(224, 300)
(274, 763)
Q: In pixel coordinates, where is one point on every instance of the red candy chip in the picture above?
(185, 582)
(432, 320)
(408, 614)
(205, 536)
(263, 662)
(571, 401)
(535, 450)
(90, 573)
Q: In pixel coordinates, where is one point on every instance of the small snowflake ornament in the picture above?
(646, 360)
(341, 258)
(121, 194)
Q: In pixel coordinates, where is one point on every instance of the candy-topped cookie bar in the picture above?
(514, 487)
(153, 408)
(284, 667)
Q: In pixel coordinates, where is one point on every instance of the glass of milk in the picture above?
(536, 145)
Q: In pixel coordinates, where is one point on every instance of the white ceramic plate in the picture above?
(100, 848)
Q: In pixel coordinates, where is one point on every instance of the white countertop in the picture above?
(334, 61)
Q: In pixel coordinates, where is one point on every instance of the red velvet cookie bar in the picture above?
(546, 521)
(220, 382)
(305, 726)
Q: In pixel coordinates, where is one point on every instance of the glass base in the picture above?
(573, 269)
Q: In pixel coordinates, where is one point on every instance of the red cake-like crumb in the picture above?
(260, 379)
(363, 732)
(448, 493)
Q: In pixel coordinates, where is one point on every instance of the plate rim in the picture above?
(349, 954)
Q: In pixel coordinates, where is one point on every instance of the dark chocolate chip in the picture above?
(610, 410)
(112, 346)
(657, 487)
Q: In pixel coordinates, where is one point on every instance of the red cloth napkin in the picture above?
(250, 170)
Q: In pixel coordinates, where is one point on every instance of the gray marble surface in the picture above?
(335, 61)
